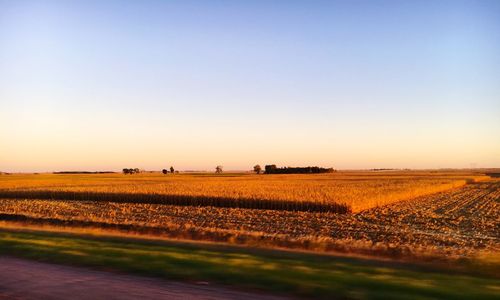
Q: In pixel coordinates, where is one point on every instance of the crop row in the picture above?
(339, 193)
(180, 200)
(458, 221)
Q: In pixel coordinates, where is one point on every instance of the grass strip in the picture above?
(275, 271)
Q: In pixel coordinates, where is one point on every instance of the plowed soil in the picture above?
(461, 221)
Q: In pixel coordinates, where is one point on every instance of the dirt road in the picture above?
(23, 279)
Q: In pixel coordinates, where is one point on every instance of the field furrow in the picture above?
(461, 221)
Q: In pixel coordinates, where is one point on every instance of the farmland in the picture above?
(383, 228)
(457, 222)
(339, 192)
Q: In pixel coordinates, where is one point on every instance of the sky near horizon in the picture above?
(102, 85)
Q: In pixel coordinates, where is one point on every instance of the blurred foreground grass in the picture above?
(283, 272)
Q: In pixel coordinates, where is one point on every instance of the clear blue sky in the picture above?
(93, 85)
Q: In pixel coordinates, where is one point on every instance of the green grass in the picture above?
(275, 271)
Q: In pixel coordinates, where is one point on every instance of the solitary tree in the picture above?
(218, 169)
(257, 169)
(164, 171)
(172, 170)
(137, 171)
(125, 171)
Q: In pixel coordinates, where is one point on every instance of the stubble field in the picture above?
(459, 221)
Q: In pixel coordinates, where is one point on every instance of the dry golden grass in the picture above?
(337, 192)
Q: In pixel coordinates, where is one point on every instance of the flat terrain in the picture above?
(26, 279)
(335, 192)
(456, 223)
(436, 235)
(271, 271)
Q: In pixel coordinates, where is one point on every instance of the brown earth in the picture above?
(457, 222)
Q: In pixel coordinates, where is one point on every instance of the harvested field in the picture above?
(338, 192)
(459, 222)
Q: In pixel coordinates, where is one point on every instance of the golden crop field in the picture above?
(337, 192)
(454, 223)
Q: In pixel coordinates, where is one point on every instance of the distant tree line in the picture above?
(272, 169)
(172, 170)
(131, 171)
(269, 169)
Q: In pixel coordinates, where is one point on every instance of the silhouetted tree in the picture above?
(164, 171)
(131, 171)
(172, 170)
(270, 169)
(218, 169)
(257, 169)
